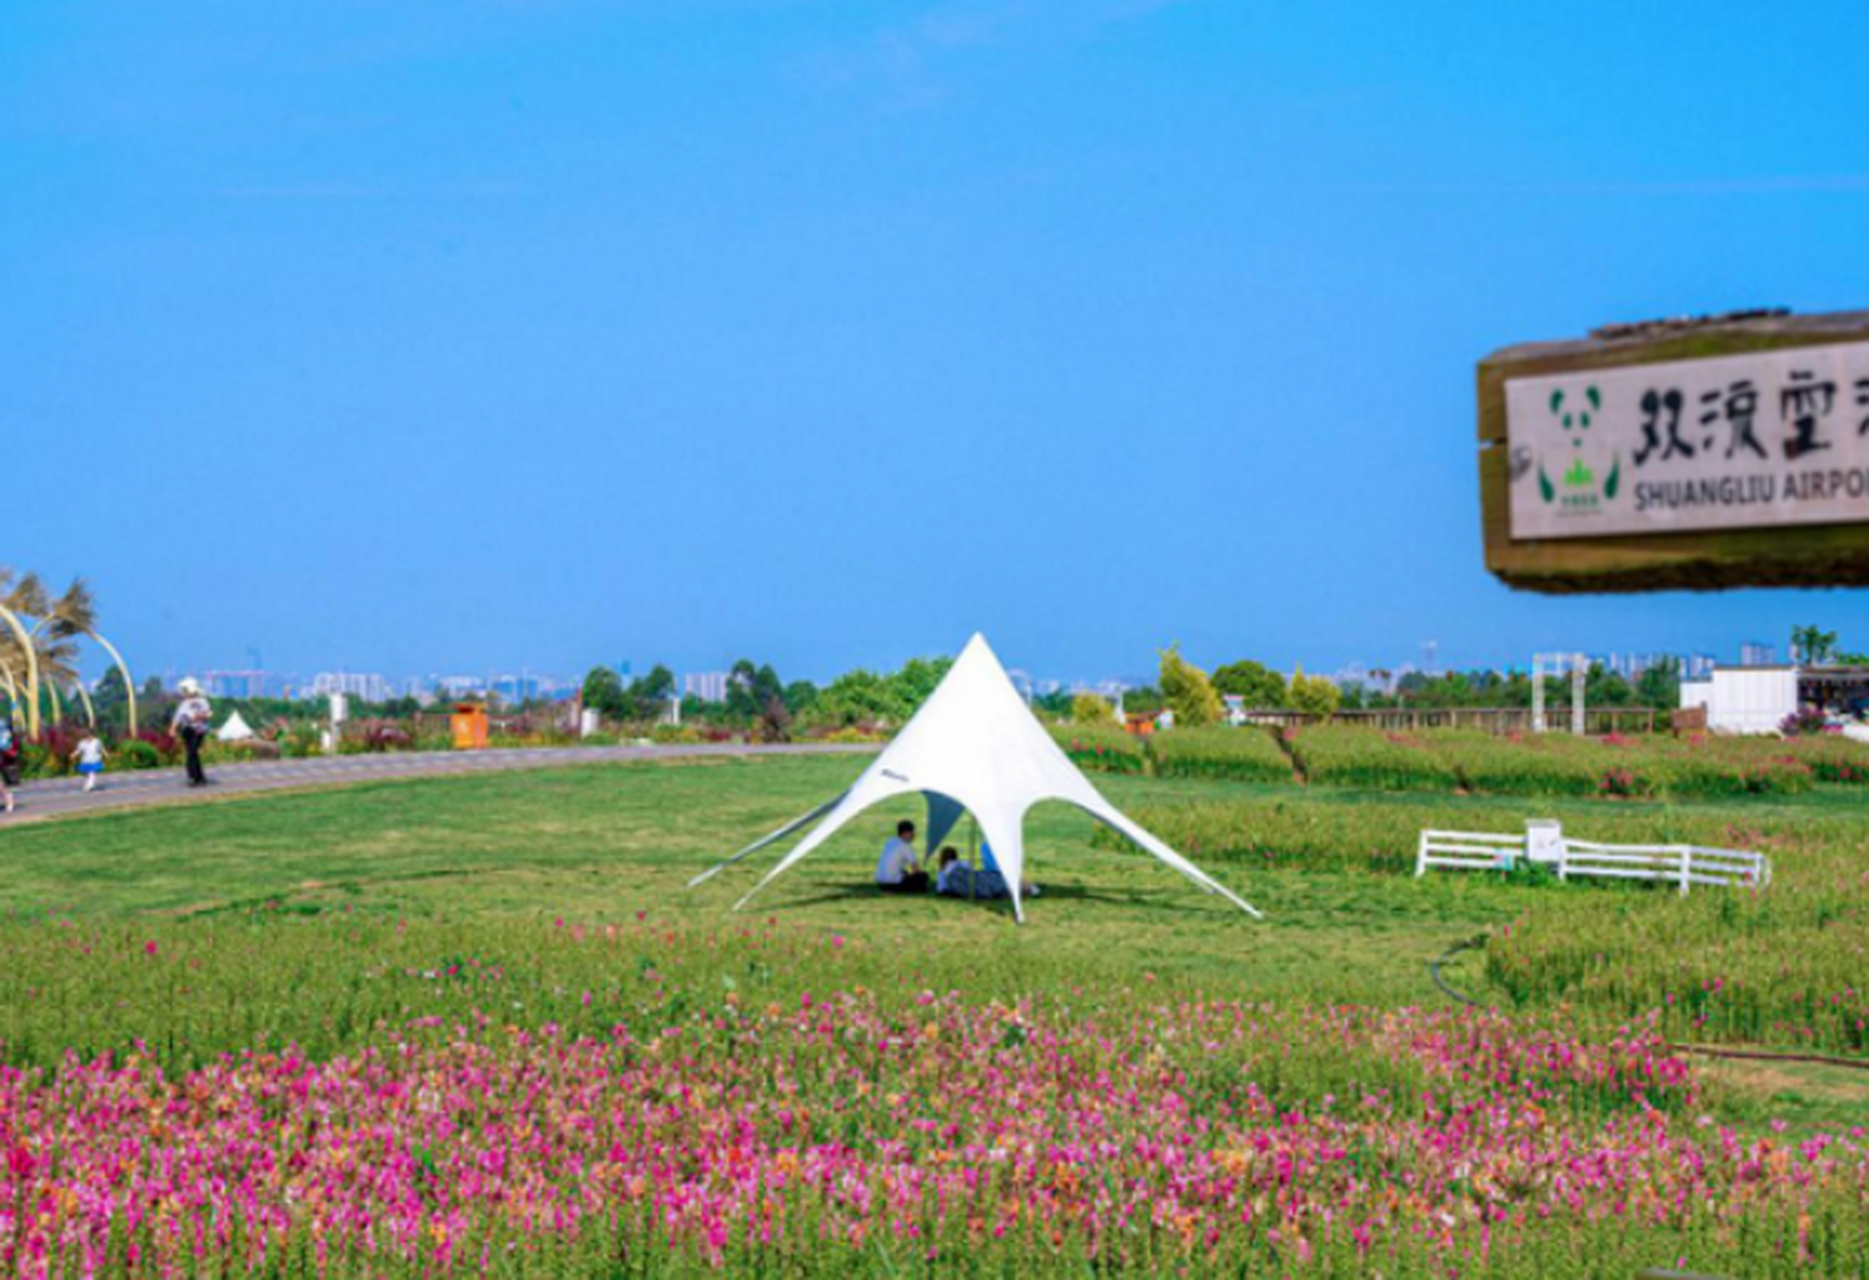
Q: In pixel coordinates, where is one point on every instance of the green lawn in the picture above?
(293, 903)
(604, 842)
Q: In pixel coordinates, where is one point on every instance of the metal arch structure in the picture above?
(123, 669)
(84, 697)
(32, 668)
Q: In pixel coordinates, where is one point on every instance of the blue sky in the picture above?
(446, 337)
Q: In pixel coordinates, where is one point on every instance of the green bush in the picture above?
(1187, 691)
(1313, 695)
(134, 753)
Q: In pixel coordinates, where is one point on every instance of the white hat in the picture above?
(188, 686)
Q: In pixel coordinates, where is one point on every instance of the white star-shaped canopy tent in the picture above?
(974, 747)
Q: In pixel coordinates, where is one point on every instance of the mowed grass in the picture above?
(602, 843)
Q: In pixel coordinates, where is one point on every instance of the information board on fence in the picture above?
(1772, 438)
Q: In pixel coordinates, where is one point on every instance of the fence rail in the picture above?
(1598, 720)
(1680, 865)
(1468, 851)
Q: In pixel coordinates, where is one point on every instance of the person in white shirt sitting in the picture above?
(897, 871)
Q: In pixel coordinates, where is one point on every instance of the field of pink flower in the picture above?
(841, 1132)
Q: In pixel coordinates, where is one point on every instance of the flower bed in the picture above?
(1341, 756)
(1247, 754)
(827, 1135)
(1101, 750)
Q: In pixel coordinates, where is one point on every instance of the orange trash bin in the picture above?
(469, 724)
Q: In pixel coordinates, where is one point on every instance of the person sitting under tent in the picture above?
(897, 870)
(958, 880)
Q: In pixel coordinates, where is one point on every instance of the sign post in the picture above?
(1682, 454)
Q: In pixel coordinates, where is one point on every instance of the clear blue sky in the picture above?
(421, 337)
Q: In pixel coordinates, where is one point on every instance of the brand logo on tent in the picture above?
(893, 775)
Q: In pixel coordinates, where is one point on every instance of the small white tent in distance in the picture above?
(235, 730)
(974, 747)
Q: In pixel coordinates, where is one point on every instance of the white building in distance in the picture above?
(708, 686)
(364, 686)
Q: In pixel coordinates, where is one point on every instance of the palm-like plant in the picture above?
(39, 641)
(1813, 645)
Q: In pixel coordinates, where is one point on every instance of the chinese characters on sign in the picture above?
(1776, 438)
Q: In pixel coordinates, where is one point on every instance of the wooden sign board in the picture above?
(1696, 454)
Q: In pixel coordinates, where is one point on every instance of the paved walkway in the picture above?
(54, 797)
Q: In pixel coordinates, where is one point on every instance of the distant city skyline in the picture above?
(712, 685)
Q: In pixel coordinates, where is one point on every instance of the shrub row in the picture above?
(1445, 760)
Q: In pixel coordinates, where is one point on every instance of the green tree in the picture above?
(1604, 688)
(801, 696)
(603, 693)
(111, 694)
(1812, 646)
(1145, 700)
(1659, 686)
(1056, 703)
(857, 697)
(917, 679)
(1314, 695)
(1256, 685)
(1089, 708)
(751, 689)
(1188, 692)
(649, 697)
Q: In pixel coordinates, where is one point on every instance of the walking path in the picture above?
(53, 797)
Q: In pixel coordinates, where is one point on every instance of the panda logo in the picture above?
(1576, 490)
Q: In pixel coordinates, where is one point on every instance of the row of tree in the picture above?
(1196, 698)
(758, 700)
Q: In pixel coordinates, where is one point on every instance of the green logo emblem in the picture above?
(1576, 489)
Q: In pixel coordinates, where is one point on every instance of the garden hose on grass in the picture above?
(1478, 942)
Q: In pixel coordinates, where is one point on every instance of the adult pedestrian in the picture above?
(9, 761)
(193, 721)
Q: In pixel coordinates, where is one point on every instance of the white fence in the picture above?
(1685, 865)
(1468, 851)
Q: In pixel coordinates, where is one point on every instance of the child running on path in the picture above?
(90, 756)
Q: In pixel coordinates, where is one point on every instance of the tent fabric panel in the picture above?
(804, 819)
(944, 814)
(848, 806)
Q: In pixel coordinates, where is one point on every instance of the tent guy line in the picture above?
(974, 747)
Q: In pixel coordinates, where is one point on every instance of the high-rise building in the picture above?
(234, 684)
(1754, 654)
(708, 686)
(457, 686)
(516, 689)
(364, 686)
